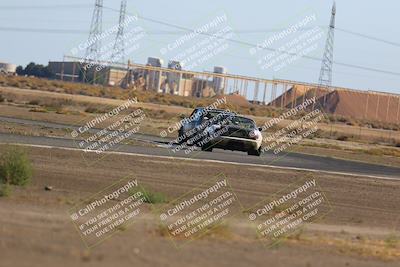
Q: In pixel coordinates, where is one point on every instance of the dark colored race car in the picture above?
(216, 128)
(193, 127)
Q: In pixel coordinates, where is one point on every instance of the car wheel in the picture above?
(181, 137)
(181, 140)
(254, 152)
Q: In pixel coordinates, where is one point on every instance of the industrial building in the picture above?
(219, 83)
(8, 68)
(67, 70)
(152, 76)
(76, 71)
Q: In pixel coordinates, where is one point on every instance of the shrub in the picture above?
(151, 197)
(34, 102)
(92, 109)
(5, 190)
(391, 241)
(15, 167)
(38, 109)
(343, 138)
(316, 134)
(351, 122)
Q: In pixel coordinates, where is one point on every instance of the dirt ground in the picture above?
(362, 229)
(355, 151)
(27, 95)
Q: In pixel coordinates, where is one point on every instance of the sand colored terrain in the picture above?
(355, 104)
(26, 95)
(296, 95)
(37, 231)
(362, 105)
(235, 99)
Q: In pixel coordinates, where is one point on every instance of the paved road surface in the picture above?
(292, 160)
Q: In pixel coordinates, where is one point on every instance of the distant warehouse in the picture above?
(150, 77)
(75, 71)
(7, 68)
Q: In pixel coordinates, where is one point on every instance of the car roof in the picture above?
(213, 109)
(224, 110)
(240, 116)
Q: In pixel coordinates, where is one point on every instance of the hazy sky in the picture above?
(252, 22)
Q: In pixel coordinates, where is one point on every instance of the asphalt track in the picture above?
(288, 160)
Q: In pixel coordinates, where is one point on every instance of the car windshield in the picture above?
(242, 122)
(213, 114)
(196, 114)
(219, 116)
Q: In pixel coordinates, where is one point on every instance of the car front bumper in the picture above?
(235, 143)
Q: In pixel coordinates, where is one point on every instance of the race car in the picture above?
(192, 129)
(240, 133)
(222, 129)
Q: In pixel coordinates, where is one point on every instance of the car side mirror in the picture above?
(260, 129)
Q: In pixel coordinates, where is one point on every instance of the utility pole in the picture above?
(119, 46)
(325, 76)
(94, 41)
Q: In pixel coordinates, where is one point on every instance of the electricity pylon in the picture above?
(119, 46)
(94, 41)
(325, 76)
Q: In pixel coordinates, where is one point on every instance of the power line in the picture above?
(159, 32)
(255, 46)
(41, 30)
(369, 37)
(245, 31)
(44, 7)
(67, 31)
(251, 60)
(184, 29)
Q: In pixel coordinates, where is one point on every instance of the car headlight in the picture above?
(255, 134)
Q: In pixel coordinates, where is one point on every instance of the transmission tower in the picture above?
(325, 76)
(94, 41)
(119, 46)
